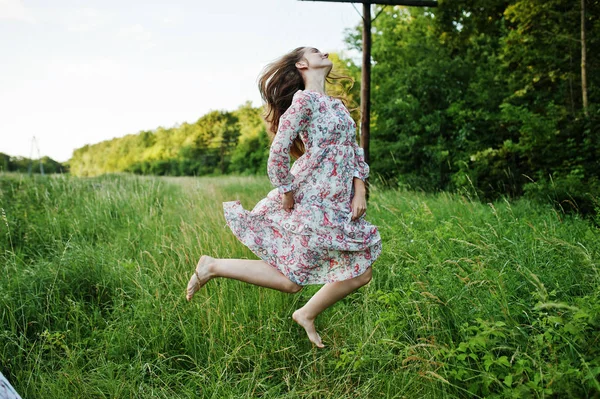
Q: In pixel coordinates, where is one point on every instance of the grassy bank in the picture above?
(467, 299)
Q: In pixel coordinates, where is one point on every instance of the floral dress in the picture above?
(6, 390)
(316, 242)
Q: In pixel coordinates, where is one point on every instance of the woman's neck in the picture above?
(315, 83)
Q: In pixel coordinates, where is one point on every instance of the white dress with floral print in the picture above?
(316, 242)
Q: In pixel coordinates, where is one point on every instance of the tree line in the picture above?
(219, 142)
(26, 165)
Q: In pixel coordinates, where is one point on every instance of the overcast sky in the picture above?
(79, 72)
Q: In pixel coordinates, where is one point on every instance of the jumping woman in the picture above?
(310, 229)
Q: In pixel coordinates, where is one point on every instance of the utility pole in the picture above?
(34, 143)
(583, 61)
(365, 84)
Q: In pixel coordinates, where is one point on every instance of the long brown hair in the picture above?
(278, 83)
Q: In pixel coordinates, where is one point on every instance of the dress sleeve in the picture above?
(294, 120)
(361, 169)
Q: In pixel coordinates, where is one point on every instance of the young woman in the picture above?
(310, 229)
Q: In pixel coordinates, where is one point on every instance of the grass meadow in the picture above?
(468, 299)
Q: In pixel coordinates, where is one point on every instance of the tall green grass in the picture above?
(467, 300)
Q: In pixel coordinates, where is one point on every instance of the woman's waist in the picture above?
(326, 144)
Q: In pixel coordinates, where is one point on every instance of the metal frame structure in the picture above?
(34, 144)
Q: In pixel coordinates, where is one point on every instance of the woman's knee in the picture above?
(366, 277)
(293, 288)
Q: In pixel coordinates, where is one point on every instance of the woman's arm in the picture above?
(359, 186)
(361, 169)
(361, 172)
(359, 201)
(292, 122)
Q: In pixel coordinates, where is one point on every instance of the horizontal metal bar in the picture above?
(414, 3)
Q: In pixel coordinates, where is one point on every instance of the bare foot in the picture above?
(309, 326)
(200, 277)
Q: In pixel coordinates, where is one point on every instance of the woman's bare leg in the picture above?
(324, 298)
(255, 272)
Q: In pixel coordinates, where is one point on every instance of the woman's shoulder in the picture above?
(315, 96)
(304, 97)
(306, 94)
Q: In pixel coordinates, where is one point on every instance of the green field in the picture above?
(467, 300)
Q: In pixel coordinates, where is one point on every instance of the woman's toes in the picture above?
(192, 287)
(199, 278)
(309, 327)
(316, 339)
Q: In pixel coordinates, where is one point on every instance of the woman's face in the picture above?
(317, 59)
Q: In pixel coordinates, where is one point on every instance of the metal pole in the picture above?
(583, 61)
(365, 86)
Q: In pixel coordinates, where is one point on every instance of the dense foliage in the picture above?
(487, 96)
(468, 300)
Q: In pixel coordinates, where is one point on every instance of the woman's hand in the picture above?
(288, 201)
(359, 205)
(359, 201)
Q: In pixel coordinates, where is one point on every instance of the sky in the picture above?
(77, 72)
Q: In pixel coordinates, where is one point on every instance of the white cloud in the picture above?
(172, 16)
(93, 68)
(169, 20)
(83, 20)
(136, 33)
(15, 10)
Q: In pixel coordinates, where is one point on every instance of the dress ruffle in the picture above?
(299, 245)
